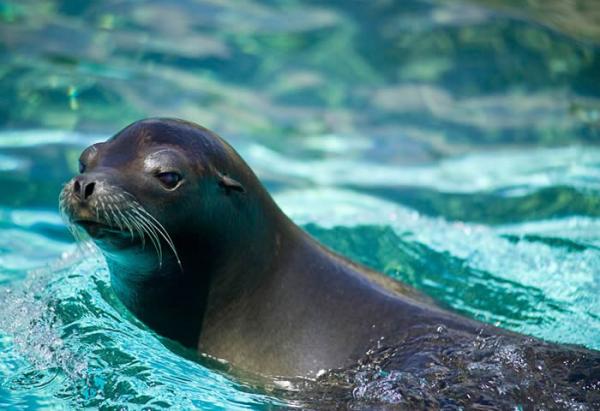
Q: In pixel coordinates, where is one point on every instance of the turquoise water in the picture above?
(450, 145)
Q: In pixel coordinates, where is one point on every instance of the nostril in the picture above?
(89, 189)
(82, 189)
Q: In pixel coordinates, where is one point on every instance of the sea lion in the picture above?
(199, 251)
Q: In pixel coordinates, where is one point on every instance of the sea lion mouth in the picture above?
(96, 229)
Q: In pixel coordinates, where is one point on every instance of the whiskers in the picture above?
(136, 219)
(121, 210)
(84, 243)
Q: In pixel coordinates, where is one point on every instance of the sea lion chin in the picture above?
(198, 250)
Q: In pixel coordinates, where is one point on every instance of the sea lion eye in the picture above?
(169, 179)
(81, 167)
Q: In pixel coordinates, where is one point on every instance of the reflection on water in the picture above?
(576, 18)
(437, 77)
(448, 144)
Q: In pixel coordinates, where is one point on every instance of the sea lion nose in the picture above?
(83, 188)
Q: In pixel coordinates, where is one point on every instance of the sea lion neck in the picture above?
(221, 267)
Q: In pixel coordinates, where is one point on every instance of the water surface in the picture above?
(450, 145)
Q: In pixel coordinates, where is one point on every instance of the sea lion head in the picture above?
(156, 187)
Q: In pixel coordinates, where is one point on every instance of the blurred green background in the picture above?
(420, 79)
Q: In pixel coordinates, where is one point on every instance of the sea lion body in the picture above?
(231, 275)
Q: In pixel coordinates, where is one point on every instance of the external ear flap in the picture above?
(229, 184)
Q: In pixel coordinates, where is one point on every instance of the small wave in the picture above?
(74, 342)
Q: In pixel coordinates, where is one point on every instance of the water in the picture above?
(450, 145)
